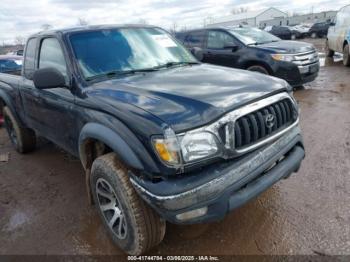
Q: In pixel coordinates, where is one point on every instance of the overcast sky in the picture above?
(23, 17)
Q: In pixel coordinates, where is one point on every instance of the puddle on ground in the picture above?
(18, 219)
(329, 61)
(93, 238)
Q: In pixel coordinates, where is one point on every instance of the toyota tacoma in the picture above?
(161, 136)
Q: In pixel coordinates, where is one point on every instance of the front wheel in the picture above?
(259, 69)
(132, 224)
(293, 37)
(313, 35)
(346, 55)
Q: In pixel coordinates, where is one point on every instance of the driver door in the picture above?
(219, 49)
(56, 116)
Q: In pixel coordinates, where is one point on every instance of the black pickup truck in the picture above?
(161, 136)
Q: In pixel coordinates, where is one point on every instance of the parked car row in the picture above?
(299, 31)
(254, 50)
(283, 32)
(16, 53)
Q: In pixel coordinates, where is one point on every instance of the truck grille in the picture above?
(260, 124)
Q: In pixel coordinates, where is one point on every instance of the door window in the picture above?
(219, 39)
(195, 39)
(51, 55)
(29, 58)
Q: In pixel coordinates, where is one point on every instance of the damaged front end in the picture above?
(210, 193)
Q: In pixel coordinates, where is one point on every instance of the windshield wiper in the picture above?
(261, 43)
(133, 71)
(172, 64)
(120, 73)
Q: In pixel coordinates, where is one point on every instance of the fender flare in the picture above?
(112, 140)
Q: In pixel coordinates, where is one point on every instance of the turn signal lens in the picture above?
(164, 153)
(167, 148)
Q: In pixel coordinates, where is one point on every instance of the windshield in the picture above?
(103, 52)
(251, 36)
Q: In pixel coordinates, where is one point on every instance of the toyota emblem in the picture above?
(270, 120)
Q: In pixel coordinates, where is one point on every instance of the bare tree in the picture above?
(82, 22)
(174, 27)
(239, 10)
(142, 21)
(19, 40)
(46, 26)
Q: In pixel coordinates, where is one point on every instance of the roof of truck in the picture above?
(90, 28)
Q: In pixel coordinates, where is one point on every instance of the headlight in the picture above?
(195, 146)
(176, 150)
(281, 57)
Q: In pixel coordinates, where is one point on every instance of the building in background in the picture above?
(5, 49)
(299, 19)
(251, 18)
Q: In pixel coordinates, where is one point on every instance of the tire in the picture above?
(329, 52)
(259, 69)
(346, 55)
(23, 139)
(136, 227)
(313, 35)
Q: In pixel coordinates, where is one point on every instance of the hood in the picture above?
(288, 47)
(190, 96)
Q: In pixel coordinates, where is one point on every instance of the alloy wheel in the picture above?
(111, 208)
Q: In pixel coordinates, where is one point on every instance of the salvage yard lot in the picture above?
(44, 209)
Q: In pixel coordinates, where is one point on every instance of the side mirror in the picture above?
(198, 53)
(232, 46)
(46, 78)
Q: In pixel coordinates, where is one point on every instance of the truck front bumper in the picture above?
(208, 195)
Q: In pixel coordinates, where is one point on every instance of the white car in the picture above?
(303, 29)
(338, 37)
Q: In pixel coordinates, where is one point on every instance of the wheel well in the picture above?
(258, 63)
(92, 149)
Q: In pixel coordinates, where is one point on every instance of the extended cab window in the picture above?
(29, 59)
(219, 39)
(51, 55)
